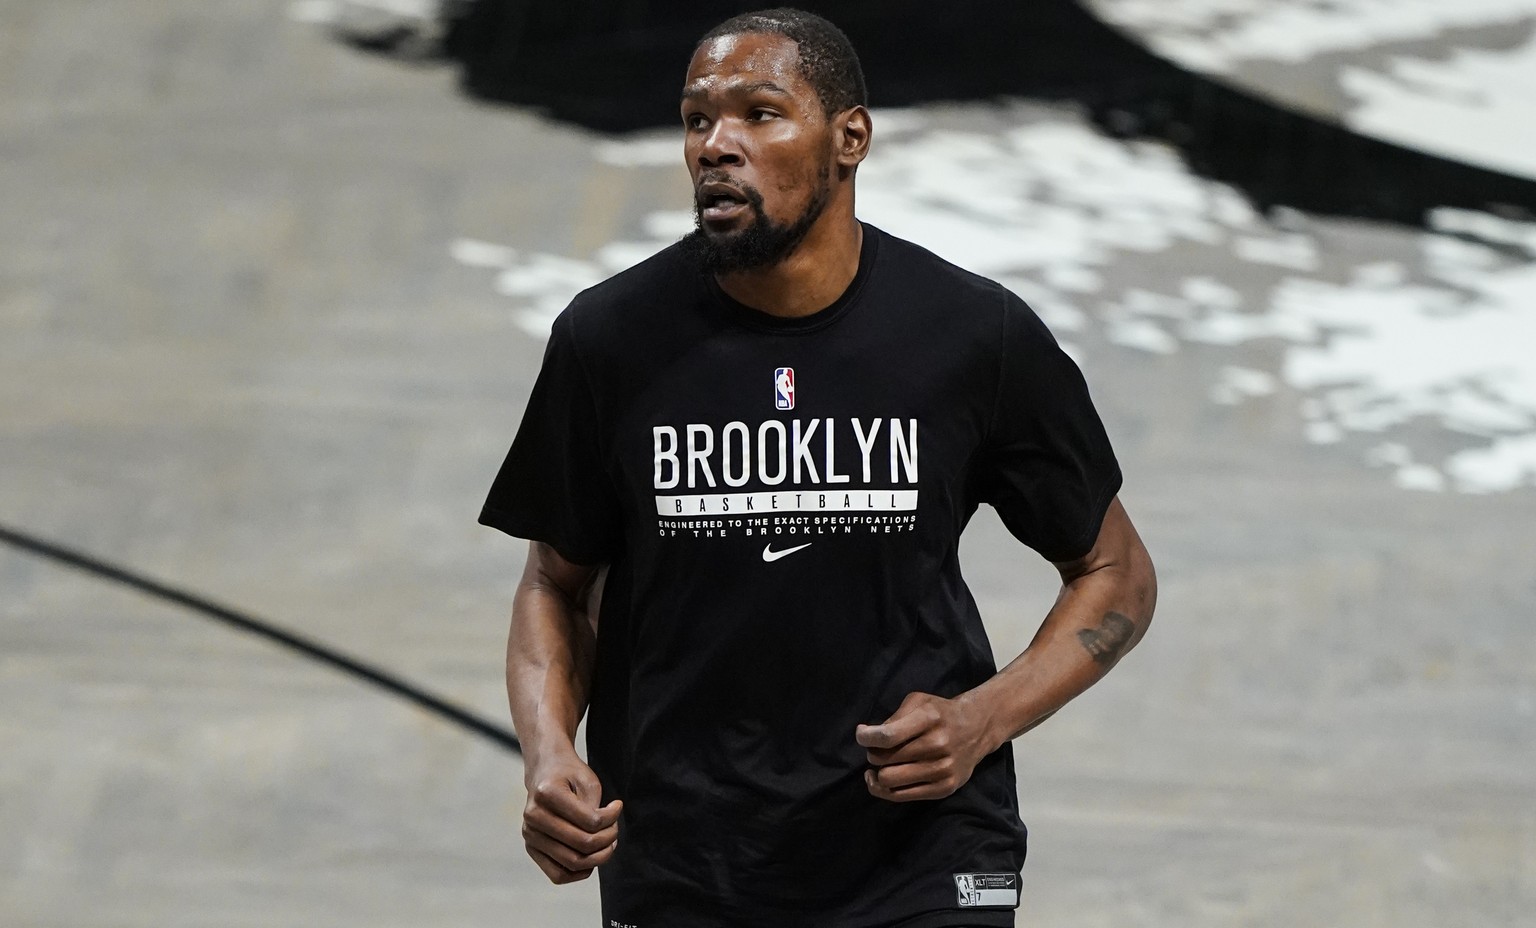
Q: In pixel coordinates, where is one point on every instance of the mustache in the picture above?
(751, 194)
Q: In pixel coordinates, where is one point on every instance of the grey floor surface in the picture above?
(235, 354)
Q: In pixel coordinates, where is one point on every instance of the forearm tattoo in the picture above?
(1106, 642)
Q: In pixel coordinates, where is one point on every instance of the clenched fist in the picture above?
(927, 749)
(567, 833)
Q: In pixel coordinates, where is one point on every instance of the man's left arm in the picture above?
(928, 748)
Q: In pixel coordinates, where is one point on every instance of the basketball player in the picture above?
(767, 440)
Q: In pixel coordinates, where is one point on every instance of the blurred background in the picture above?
(275, 278)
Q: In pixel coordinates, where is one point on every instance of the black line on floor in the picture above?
(262, 628)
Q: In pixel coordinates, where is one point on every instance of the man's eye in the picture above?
(760, 115)
(695, 121)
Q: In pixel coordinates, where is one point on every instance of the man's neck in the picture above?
(814, 275)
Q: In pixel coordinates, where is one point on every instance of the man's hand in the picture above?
(567, 833)
(926, 750)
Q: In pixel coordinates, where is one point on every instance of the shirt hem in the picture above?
(960, 918)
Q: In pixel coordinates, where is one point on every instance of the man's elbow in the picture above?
(1142, 592)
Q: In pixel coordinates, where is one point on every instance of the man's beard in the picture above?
(763, 243)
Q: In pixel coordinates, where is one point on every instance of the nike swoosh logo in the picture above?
(771, 555)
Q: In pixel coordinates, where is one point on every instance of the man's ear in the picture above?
(853, 131)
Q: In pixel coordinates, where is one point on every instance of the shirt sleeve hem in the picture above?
(511, 524)
(1084, 542)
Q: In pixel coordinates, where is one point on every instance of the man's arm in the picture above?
(549, 674)
(928, 748)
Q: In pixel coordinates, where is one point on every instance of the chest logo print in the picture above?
(770, 555)
(784, 388)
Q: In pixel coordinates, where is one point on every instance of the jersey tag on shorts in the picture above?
(986, 889)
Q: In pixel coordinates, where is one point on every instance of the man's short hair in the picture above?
(827, 59)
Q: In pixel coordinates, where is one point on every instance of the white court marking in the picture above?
(1216, 35)
(327, 12)
(1372, 349)
(1476, 105)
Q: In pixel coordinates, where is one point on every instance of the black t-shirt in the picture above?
(780, 502)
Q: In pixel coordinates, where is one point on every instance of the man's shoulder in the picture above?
(632, 309)
(912, 265)
(945, 296)
(656, 281)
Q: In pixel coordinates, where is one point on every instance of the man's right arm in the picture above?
(549, 672)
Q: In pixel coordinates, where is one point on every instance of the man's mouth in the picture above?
(720, 203)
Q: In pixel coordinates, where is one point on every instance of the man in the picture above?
(766, 440)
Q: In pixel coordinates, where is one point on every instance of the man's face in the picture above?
(759, 147)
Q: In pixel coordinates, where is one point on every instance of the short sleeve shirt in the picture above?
(780, 503)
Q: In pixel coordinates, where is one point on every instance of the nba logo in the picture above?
(784, 388)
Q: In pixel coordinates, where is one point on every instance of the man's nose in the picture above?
(720, 146)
